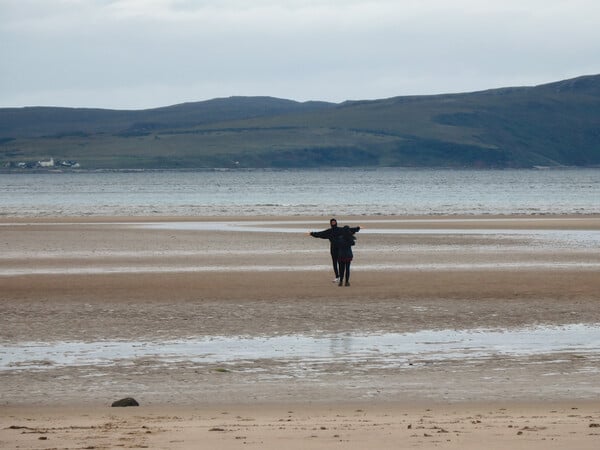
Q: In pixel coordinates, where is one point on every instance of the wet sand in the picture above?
(118, 279)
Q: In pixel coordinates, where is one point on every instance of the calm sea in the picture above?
(299, 192)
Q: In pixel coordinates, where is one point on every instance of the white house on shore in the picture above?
(49, 163)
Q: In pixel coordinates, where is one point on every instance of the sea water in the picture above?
(386, 191)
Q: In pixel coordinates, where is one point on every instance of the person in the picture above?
(332, 234)
(345, 241)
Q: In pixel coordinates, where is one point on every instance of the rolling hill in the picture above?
(556, 124)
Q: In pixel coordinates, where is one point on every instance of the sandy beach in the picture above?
(299, 426)
(72, 287)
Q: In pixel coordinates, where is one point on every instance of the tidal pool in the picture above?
(381, 350)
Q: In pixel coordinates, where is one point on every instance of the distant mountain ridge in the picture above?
(43, 120)
(554, 124)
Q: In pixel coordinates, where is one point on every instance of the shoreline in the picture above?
(323, 219)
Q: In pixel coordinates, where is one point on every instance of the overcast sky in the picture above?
(134, 54)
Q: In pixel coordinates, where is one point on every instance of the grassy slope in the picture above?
(554, 124)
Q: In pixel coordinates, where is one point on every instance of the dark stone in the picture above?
(126, 402)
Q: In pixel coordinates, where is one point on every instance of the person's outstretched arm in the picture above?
(325, 234)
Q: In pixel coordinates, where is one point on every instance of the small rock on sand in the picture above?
(128, 401)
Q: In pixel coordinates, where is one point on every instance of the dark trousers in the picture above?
(334, 259)
(344, 270)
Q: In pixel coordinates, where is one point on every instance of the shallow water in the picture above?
(390, 191)
(132, 269)
(378, 350)
(557, 237)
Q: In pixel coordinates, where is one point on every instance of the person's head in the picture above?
(333, 223)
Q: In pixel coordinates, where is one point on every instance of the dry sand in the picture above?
(571, 425)
(91, 280)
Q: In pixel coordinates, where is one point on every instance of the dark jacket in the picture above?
(344, 242)
(332, 234)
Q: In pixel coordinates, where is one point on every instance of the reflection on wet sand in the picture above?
(380, 350)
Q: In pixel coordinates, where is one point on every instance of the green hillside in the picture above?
(556, 124)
